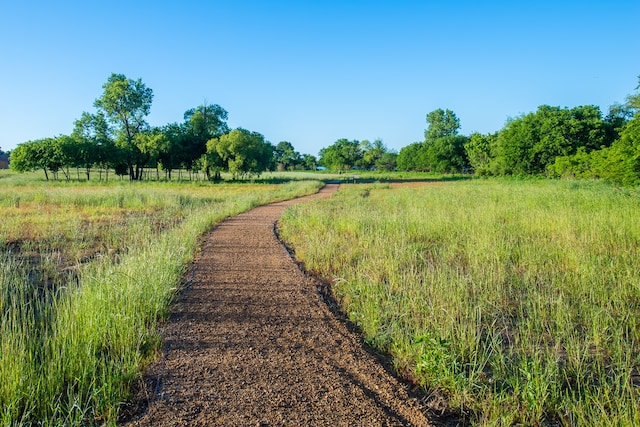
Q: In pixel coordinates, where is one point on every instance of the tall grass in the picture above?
(518, 301)
(72, 344)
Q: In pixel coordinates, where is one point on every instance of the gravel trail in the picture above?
(251, 343)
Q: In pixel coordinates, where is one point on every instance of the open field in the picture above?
(86, 272)
(516, 301)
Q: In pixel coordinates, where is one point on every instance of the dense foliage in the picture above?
(558, 142)
(344, 155)
(117, 137)
(576, 142)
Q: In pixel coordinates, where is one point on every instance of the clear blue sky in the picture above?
(312, 72)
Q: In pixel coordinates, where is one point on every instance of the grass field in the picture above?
(517, 301)
(86, 272)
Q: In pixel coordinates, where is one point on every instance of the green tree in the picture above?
(26, 158)
(413, 158)
(442, 150)
(341, 155)
(371, 153)
(387, 161)
(92, 142)
(447, 154)
(48, 154)
(309, 162)
(619, 163)
(286, 157)
(126, 103)
(201, 124)
(441, 123)
(151, 143)
(480, 152)
(530, 143)
(617, 117)
(242, 153)
(174, 155)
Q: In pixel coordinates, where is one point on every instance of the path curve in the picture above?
(250, 343)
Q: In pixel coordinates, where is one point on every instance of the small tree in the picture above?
(126, 103)
(341, 155)
(242, 153)
(441, 123)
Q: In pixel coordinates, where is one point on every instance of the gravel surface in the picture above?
(251, 343)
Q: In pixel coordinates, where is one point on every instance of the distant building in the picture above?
(4, 161)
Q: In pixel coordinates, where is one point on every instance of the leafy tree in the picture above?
(174, 154)
(341, 155)
(442, 150)
(309, 162)
(126, 103)
(387, 161)
(441, 123)
(618, 116)
(211, 162)
(579, 165)
(371, 153)
(48, 154)
(286, 157)
(619, 163)
(207, 121)
(151, 143)
(480, 151)
(201, 124)
(530, 143)
(242, 153)
(413, 157)
(91, 142)
(26, 158)
(447, 154)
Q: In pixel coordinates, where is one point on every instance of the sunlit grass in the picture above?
(518, 301)
(86, 272)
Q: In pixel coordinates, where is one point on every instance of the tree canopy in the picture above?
(344, 155)
(441, 151)
(126, 103)
(117, 137)
(552, 141)
(241, 152)
(442, 123)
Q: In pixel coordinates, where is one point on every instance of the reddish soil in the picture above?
(251, 343)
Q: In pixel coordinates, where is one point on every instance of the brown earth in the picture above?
(251, 343)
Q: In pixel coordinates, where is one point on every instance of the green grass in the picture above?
(86, 272)
(519, 301)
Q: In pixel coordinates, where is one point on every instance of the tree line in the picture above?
(576, 142)
(552, 141)
(117, 137)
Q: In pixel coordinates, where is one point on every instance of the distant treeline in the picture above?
(557, 142)
(117, 137)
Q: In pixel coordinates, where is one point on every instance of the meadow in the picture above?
(516, 302)
(87, 272)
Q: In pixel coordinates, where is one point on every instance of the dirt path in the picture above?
(251, 343)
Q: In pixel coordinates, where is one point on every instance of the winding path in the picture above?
(250, 343)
